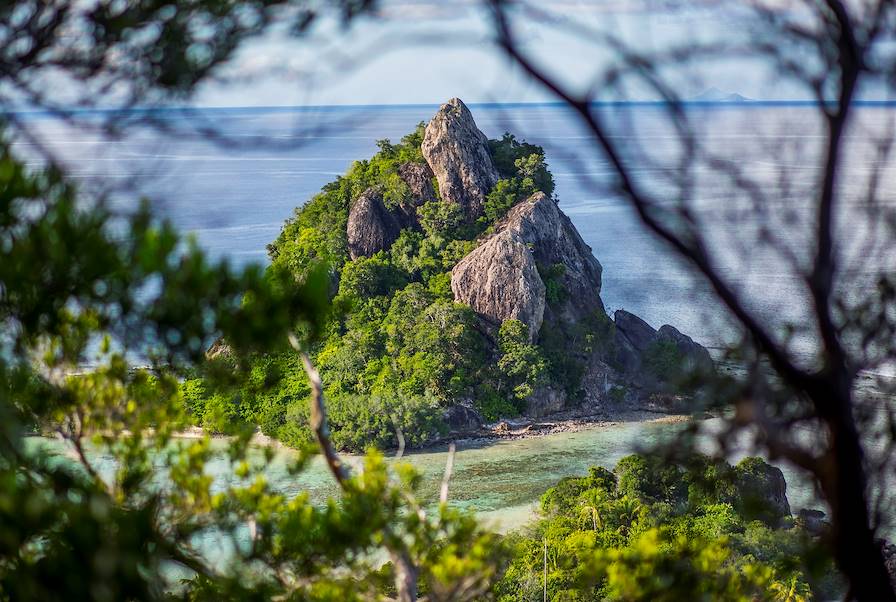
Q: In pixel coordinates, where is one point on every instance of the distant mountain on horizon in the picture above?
(715, 95)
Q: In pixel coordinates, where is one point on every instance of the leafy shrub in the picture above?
(441, 219)
(552, 277)
(630, 534)
(358, 422)
(368, 277)
(514, 158)
(650, 479)
(492, 406)
(663, 360)
(506, 193)
(522, 366)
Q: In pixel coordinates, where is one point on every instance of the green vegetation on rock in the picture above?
(398, 349)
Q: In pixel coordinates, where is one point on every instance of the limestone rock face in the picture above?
(545, 401)
(418, 177)
(371, 227)
(462, 419)
(219, 348)
(500, 281)
(458, 154)
(555, 241)
(534, 233)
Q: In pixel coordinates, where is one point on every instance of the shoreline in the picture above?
(510, 429)
(515, 429)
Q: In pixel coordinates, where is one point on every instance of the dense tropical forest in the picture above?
(666, 530)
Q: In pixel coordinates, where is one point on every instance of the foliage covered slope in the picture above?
(398, 349)
(654, 529)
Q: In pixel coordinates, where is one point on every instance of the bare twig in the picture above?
(319, 418)
(406, 571)
(449, 467)
(398, 435)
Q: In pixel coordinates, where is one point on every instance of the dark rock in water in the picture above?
(554, 241)
(545, 401)
(635, 340)
(763, 492)
(696, 357)
(458, 154)
(462, 419)
(500, 281)
(638, 334)
(371, 227)
(813, 521)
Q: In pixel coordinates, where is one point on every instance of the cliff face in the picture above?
(458, 154)
(500, 281)
(371, 227)
(500, 278)
(555, 245)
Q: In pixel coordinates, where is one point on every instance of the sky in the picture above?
(426, 51)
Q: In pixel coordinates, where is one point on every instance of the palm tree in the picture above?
(592, 503)
(792, 590)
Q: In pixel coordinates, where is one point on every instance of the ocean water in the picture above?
(502, 481)
(234, 189)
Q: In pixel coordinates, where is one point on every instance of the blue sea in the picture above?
(230, 177)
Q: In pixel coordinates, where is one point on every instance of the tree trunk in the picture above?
(845, 486)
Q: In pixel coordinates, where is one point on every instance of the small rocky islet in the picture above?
(500, 278)
(466, 232)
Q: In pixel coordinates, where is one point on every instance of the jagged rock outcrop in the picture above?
(371, 227)
(458, 154)
(461, 418)
(418, 177)
(545, 400)
(500, 281)
(554, 241)
(767, 490)
(219, 349)
(500, 278)
(635, 339)
(533, 267)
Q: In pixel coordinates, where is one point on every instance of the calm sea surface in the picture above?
(234, 193)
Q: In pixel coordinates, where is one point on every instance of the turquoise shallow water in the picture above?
(501, 481)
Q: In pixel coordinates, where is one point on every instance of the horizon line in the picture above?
(43, 111)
